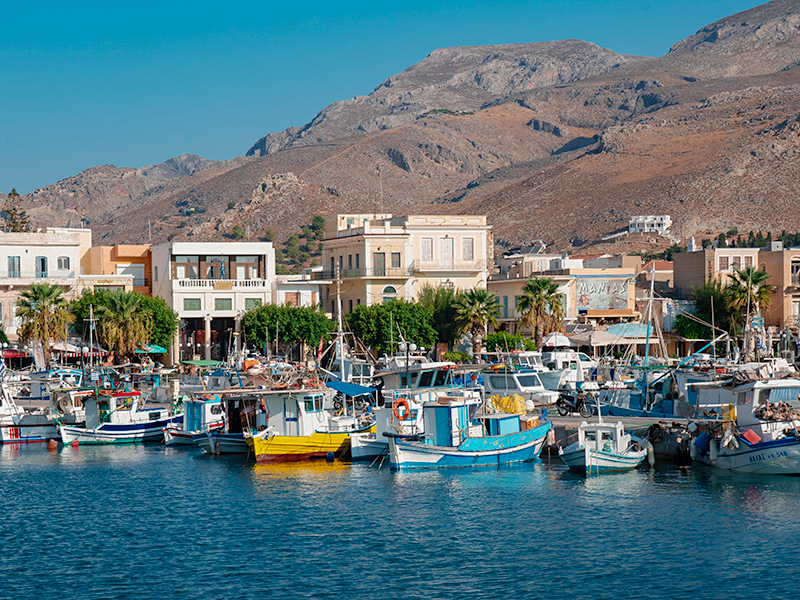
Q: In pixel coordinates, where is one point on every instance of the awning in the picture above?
(151, 349)
(202, 363)
(351, 389)
(558, 340)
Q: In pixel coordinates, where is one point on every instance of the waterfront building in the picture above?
(381, 258)
(132, 262)
(210, 285)
(600, 289)
(692, 269)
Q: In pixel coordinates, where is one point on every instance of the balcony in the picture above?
(219, 284)
(435, 266)
(386, 272)
(24, 278)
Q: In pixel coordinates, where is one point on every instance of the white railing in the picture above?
(444, 265)
(221, 284)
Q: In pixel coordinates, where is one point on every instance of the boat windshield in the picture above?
(529, 380)
(785, 395)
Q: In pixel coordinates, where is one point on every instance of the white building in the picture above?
(650, 224)
(210, 285)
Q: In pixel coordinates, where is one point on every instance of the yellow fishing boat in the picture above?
(281, 448)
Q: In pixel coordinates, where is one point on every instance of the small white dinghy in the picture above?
(603, 447)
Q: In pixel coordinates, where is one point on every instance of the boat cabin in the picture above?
(201, 412)
(604, 437)
(451, 419)
(528, 384)
(285, 412)
(118, 408)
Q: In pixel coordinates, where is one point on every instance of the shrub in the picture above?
(457, 356)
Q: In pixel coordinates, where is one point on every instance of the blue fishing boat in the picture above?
(456, 435)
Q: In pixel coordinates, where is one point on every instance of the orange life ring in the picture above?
(396, 412)
(263, 406)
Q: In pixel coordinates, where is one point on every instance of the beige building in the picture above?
(783, 266)
(381, 258)
(132, 263)
(692, 269)
(602, 293)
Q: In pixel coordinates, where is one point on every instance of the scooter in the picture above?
(574, 403)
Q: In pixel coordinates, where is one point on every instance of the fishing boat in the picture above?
(200, 414)
(118, 417)
(243, 415)
(759, 431)
(603, 447)
(456, 435)
(299, 428)
(18, 426)
(505, 381)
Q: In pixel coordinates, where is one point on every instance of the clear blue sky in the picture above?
(135, 83)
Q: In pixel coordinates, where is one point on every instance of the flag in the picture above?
(760, 344)
(2, 369)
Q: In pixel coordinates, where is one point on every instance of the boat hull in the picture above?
(222, 443)
(522, 446)
(588, 461)
(27, 431)
(111, 433)
(174, 436)
(367, 446)
(778, 457)
(285, 448)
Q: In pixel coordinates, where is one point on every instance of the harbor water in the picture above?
(149, 522)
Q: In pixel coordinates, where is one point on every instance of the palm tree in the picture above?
(541, 306)
(748, 290)
(442, 301)
(123, 323)
(474, 310)
(44, 316)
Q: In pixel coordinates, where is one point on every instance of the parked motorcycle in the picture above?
(575, 403)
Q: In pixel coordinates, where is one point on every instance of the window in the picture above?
(251, 303)
(218, 267)
(796, 273)
(748, 261)
(63, 263)
(505, 307)
(223, 304)
(13, 266)
(468, 250)
(187, 267)
(379, 264)
(349, 261)
(333, 267)
(350, 307)
(358, 261)
(155, 273)
(426, 379)
(426, 249)
(395, 260)
(41, 266)
(358, 301)
(246, 267)
(736, 261)
(192, 304)
(291, 298)
(389, 293)
(723, 263)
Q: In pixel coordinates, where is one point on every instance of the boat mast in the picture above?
(647, 343)
(340, 333)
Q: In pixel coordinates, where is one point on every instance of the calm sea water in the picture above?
(149, 522)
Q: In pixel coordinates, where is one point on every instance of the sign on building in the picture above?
(602, 294)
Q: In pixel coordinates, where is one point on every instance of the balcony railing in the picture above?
(444, 265)
(55, 274)
(221, 284)
(388, 272)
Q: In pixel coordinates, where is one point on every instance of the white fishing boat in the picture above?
(457, 435)
(118, 418)
(18, 426)
(603, 447)
(759, 431)
(201, 413)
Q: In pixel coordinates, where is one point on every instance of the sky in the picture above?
(133, 84)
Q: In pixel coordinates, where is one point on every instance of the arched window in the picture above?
(389, 294)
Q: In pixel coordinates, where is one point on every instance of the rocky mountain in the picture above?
(560, 141)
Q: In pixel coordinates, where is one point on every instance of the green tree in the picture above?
(505, 341)
(44, 316)
(442, 302)
(541, 306)
(123, 324)
(164, 321)
(748, 291)
(238, 233)
(378, 324)
(476, 309)
(710, 307)
(16, 218)
(318, 223)
(292, 323)
(281, 270)
(722, 241)
(269, 235)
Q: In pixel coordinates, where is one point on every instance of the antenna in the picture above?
(380, 183)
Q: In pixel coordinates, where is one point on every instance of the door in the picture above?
(379, 264)
(136, 270)
(41, 266)
(446, 253)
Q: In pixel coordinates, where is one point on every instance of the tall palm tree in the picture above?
(541, 306)
(442, 301)
(474, 310)
(123, 323)
(44, 316)
(748, 290)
